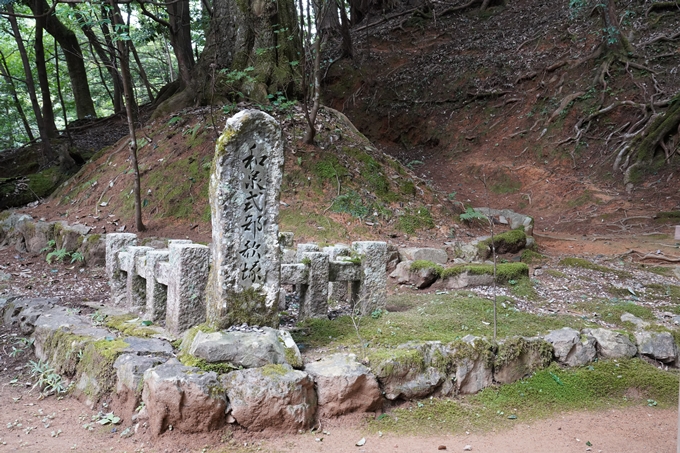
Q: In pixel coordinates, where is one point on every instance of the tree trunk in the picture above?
(647, 144)
(107, 61)
(130, 105)
(4, 71)
(179, 18)
(73, 56)
(48, 154)
(347, 47)
(142, 73)
(43, 81)
(246, 33)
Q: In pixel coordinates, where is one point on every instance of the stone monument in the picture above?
(245, 181)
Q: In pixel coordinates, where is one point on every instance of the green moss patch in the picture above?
(610, 311)
(510, 241)
(427, 317)
(412, 221)
(598, 386)
(129, 324)
(504, 271)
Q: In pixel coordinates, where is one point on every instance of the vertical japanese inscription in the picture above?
(252, 174)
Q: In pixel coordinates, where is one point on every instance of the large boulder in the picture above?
(70, 237)
(406, 372)
(657, 345)
(612, 345)
(272, 397)
(437, 256)
(185, 398)
(36, 235)
(570, 348)
(344, 385)
(247, 349)
(419, 276)
(472, 364)
(518, 357)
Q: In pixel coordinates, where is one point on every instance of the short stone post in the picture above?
(337, 291)
(314, 294)
(371, 293)
(156, 293)
(244, 192)
(303, 249)
(189, 265)
(136, 281)
(115, 242)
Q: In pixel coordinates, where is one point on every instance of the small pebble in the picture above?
(441, 447)
(467, 448)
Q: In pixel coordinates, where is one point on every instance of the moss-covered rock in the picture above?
(518, 357)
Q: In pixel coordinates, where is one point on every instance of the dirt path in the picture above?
(638, 429)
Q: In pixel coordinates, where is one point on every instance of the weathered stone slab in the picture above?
(639, 323)
(244, 199)
(115, 243)
(570, 348)
(371, 294)
(294, 274)
(273, 397)
(437, 256)
(147, 346)
(465, 279)
(163, 273)
(657, 345)
(612, 345)
(343, 271)
(344, 385)
(247, 349)
(186, 307)
(130, 369)
(186, 398)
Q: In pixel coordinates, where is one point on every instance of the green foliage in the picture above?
(47, 379)
(410, 222)
(58, 254)
(350, 203)
(329, 168)
(471, 214)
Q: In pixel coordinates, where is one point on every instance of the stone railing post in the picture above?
(115, 242)
(371, 293)
(314, 294)
(156, 293)
(136, 277)
(188, 265)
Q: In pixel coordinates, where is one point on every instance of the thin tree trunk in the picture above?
(124, 59)
(171, 71)
(61, 96)
(310, 131)
(142, 73)
(347, 47)
(43, 81)
(107, 60)
(48, 154)
(101, 75)
(4, 70)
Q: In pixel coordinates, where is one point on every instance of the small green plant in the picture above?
(49, 247)
(471, 214)
(174, 120)
(98, 318)
(108, 418)
(77, 256)
(48, 380)
(58, 254)
(350, 203)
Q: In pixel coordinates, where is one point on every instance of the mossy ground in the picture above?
(428, 317)
(601, 385)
